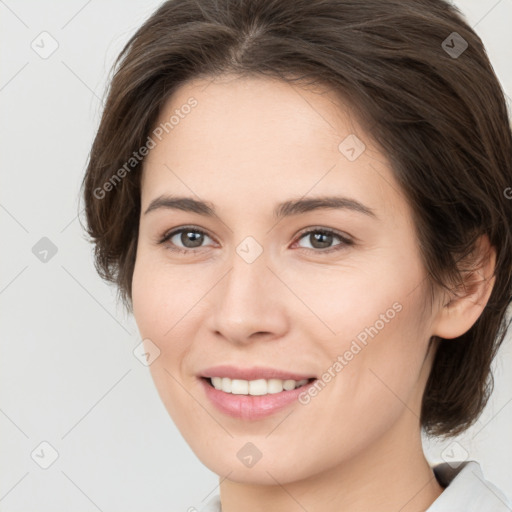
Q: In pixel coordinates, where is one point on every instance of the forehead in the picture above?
(258, 113)
(263, 139)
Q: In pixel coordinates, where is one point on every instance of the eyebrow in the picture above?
(284, 209)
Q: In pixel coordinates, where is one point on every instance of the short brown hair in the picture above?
(421, 83)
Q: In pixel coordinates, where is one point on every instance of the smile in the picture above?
(257, 387)
(248, 406)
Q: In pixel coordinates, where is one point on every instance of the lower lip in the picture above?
(251, 407)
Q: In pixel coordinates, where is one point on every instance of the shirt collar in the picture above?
(466, 490)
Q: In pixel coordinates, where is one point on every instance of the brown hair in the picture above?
(433, 105)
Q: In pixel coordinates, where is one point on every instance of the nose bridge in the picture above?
(244, 292)
(248, 301)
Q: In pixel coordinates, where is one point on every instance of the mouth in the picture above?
(258, 387)
(251, 400)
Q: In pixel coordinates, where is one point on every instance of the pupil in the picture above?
(317, 237)
(191, 236)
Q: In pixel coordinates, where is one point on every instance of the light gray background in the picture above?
(68, 375)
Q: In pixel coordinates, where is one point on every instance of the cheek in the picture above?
(158, 304)
(159, 308)
(168, 307)
(382, 364)
(366, 328)
(161, 296)
(349, 297)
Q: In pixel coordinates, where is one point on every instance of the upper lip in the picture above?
(254, 373)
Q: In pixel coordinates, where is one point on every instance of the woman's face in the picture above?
(257, 289)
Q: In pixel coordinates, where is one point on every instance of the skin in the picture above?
(249, 144)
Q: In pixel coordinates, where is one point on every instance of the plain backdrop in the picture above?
(68, 376)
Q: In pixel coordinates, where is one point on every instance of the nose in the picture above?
(249, 302)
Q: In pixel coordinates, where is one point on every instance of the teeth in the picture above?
(255, 387)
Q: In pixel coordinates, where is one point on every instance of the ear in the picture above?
(463, 306)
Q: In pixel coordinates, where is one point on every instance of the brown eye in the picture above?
(322, 239)
(185, 239)
(193, 238)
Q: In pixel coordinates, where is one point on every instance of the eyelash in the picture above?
(324, 231)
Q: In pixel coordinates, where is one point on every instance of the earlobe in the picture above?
(464, 306)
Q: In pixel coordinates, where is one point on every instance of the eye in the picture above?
(191, 238)
(322, 238)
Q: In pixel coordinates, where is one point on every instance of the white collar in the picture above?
(467, 490)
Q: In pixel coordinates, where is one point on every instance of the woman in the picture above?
(304, 204)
